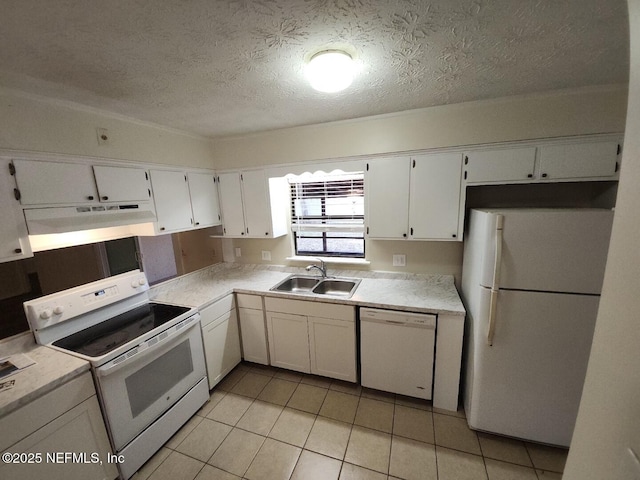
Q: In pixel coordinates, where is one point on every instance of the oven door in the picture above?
(139, 389)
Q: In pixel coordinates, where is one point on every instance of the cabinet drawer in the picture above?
(249, 301)
(217, 309)
(314, 309)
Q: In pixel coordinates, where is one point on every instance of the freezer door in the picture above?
(528, 384)
(561, 250)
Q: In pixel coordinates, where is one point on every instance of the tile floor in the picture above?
(263, 423)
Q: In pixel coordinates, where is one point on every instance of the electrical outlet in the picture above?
(266, 255)
(238, 252)
(103, 136)
(399, 260)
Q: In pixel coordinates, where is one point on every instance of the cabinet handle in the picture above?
(105, 198)
(544, 175)
(17, 250)
(266, 233)
(466, 160)
(197, 223)
(530, 175)
(411, 231)
(241, 233)
(161, 228)
(454, 235)
(90, 197)
(17, 194)
(404, 235)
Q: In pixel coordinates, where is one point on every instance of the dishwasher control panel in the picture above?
(426, 320)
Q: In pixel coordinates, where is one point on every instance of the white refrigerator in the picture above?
(531, 281)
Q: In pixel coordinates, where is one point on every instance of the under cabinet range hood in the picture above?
(42, 221)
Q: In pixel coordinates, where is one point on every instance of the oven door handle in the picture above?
(162, 345)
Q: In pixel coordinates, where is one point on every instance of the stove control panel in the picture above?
(57, 308)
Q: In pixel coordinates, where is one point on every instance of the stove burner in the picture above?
(116, 331)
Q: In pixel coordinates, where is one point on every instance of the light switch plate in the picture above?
(238, 252)
(399, 260)
(266, 255)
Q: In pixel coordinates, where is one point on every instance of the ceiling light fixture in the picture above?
(330, 71)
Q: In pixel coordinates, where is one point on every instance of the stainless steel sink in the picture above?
(296, 284)
(337, 287)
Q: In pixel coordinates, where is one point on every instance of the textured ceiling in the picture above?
(224, 67)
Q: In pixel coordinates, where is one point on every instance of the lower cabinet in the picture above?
(67, 419)
(252, 328)
(221, 338)
(312, 337)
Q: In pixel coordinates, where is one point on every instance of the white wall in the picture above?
(575, 112)
(30, 123)
(609, 417)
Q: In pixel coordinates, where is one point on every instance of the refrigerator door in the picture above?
(528, 384)
(551, 250)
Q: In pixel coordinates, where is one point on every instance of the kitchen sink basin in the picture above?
(339, 287)
(297, 284)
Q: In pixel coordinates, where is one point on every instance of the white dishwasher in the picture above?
(396, 351)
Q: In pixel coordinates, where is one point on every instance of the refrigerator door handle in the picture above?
(495, 286)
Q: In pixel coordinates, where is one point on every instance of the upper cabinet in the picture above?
(253, 205)
(171, 197)
(59, 183)
(579, 160)
(413, 197)
(203, 190)
(499, 165)
(14, 243)
(122, 184)
(184, 200)
(386, 184)
(553, 161)
(434, 196)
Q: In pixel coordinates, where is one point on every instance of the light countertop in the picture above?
(407, 292)
(52, 369)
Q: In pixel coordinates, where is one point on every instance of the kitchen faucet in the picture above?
(322, 268)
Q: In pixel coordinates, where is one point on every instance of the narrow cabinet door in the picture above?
(387, 197)
(254, 338)
(14, 242)
(171, 196)
(288, 341)
(122, 184)
(204, 199)
(231, 204)
(257, 215)
(333, 348)
(435, 196)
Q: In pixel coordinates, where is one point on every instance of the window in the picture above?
(327, 215)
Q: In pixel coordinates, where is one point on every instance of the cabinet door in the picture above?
(288, 341)
(204, 199)
(81, 430)
(14, 243)
(435, 196)
(332, 346)
(171, 197)
(50, 183)
(387, 197)
(579, 160)
(257, 215)
(221, 346)
(254, 336)
(231, 204)
(122, 184)
(503, 165)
